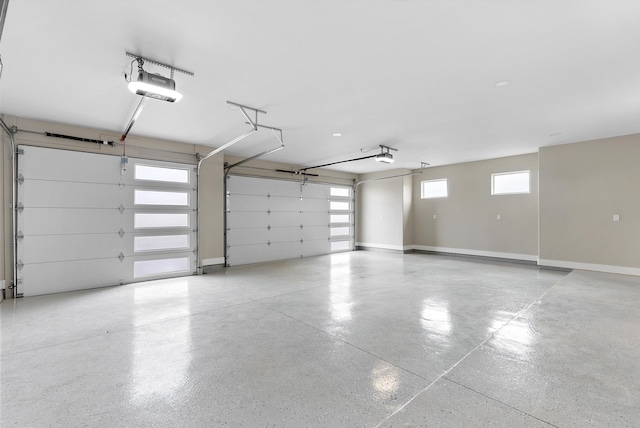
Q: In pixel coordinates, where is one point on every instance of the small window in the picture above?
(339, 231)
(339, 206)
(160, 267)
(340, 218)
(159, 220)
(340, 191)
(148, 197)
(434, 189)
(506, 183)
(156, 173)
(160, 243)
(340, 245)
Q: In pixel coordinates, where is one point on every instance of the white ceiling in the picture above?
(416, 75)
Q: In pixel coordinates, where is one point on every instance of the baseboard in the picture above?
(478, 253)
(590, 266)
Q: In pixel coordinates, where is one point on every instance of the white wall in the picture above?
(383, 211)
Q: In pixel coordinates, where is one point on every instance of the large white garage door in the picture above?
(271, 219)
(88, 220)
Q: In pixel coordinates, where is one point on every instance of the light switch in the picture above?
(616, 217)
(498, 217)
(434, 216)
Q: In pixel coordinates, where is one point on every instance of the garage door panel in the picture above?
(248, 219)
(248, 203)
(55, 248)
(282, 219)
(316, 248)
(316, 219)
(249, 236)
(286, 234)
(67, 165)
(72, 195)
(57, 221)
(315, 191)
(320, 205)
(45, 278)
(317, 232)
(258, 253)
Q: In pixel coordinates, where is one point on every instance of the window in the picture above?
(340, 218)
(156, 173)
(160, 267)
(160, 243)
(341, 191)
(148, 197)
(340, 231)
(434, 189)
(340, 245)
(506, 183)
(160, 220)
(339, 206)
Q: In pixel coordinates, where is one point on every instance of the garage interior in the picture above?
(293, 213)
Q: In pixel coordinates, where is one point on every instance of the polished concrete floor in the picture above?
(364, 339)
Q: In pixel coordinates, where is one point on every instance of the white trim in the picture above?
(591, 266)
(384, 246)
(216, 261)
(481, 253)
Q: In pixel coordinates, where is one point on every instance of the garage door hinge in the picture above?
(20, 151)
(20, 178)
(121, 208)
(20, 264)
(121, 257)
(20, 235)
(269, 243)
(121, 232)
(20, 207)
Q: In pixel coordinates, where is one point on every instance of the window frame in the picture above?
(422, 188)
(519, 192)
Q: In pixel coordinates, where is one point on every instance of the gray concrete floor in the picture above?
(364, 339)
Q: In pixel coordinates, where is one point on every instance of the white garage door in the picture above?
(84, 221)
(270, 219)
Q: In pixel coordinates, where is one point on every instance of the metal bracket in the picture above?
(151, 61)
(20, 207)
(121, 233)
(20, 264)
(121, 257)
(20, 235)
(20, 178)
(121, 209)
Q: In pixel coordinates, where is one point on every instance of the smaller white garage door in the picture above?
(270, 219)
(88, 220)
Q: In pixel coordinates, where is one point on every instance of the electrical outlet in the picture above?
(616, 217)
(498, 217)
